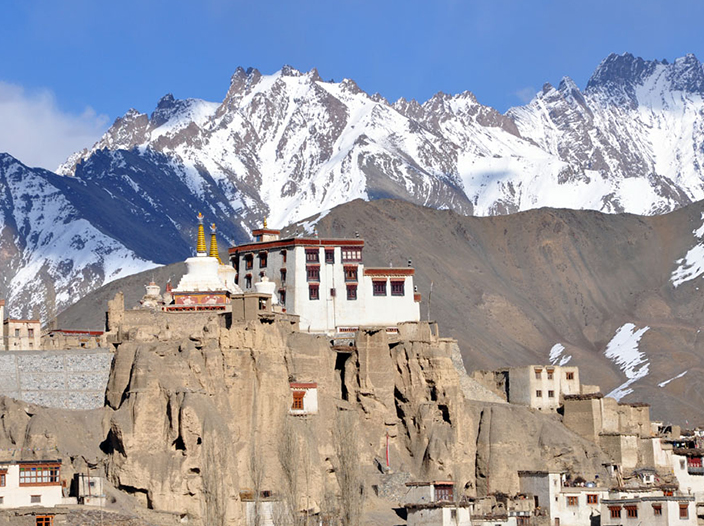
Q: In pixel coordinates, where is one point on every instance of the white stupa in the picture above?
(205, 272)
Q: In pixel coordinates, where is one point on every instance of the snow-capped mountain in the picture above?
(290, 145)
(51, 254)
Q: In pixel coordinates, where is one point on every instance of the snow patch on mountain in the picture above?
(663, 384)
(556, 356)
(623, 351)
(691, 266)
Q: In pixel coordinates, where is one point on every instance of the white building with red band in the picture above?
(324, 281)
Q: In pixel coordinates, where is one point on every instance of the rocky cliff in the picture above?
(197, 418)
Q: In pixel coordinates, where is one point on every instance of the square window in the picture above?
(44, 520)
(569, 376)
(657, 509)
(572, 501)
(329, 255)
(631, 512)
(298, 400)
(312, 255)
(313, 273)
(379, 288)
(539, 393)
(592, 499)
(35, 499)
(615, 512)
(351, 273)
(351, 292)
(397, 288)
(538, 374)
(313, 292)
(551, 394)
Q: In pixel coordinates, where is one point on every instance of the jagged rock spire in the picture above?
(201, 250)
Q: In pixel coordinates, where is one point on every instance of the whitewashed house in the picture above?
(30, 483)
(325, 282)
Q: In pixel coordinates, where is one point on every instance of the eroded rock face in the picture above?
(198, 419)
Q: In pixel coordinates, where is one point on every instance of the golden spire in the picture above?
(200, 247)
(214, 244)
(265, 222)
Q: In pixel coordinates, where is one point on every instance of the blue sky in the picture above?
(68, 68)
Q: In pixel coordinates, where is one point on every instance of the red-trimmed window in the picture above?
(312, 255)
(657, 509)
(631, 511)
(569, 376)
(330, 255)
(351, 254)
(379, 287)
(538, 374)
(44, 520)
(684, 511)
(572, 500)
(39, 475)
(550, 373)
(615, 512)
(248, 262)
(351, 273)
(313, 272)
(592, 499)
(283, 256)
(444, 493)
(314, 292)
(398, 288)
(351, 292)
(263, 257)
(298, 400)
(3, 479)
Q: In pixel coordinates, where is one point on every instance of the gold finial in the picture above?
(265, 222)
(200, 247)
(214, 244)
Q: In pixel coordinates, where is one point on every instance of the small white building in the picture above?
(304, 398)
(688, 468)
(90, 490)
(434, 504)
(564, 505)
(22, 335)
(649, 511)
(324, 281)
(542, 386)
(30, 483)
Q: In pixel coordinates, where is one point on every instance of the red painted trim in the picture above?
(261, 231)
(71, 331)
(416, 297)
(389, 271)
(2, 303)
(301, 385)
(295, 242)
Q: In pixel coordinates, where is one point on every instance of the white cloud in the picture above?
(526, 94)
(34, 130)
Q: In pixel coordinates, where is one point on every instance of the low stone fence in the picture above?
(74, 379)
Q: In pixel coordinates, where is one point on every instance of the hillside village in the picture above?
(293, 384)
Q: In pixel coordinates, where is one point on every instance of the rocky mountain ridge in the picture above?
(290, 145)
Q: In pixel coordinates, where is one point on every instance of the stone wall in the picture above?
(73, 379)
